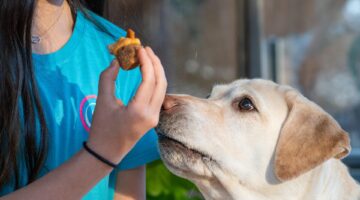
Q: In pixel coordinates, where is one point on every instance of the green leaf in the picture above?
(163, 185)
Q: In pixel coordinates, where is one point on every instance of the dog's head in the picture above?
(253, 130)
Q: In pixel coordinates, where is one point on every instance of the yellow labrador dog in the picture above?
(254, 139)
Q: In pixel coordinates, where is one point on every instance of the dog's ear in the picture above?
(309, 137)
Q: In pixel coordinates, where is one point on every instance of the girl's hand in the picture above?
(115, 127)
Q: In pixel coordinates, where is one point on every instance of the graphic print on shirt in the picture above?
(87, 107)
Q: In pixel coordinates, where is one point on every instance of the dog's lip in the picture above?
(166, 137)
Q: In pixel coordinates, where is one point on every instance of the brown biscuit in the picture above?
(125, 50)
(127, 56)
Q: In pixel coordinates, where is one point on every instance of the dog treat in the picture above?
(125, 50)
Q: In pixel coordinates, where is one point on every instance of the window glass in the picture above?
(315, 47)
(195, 39)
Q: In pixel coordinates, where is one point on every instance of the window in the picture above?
(315, 47)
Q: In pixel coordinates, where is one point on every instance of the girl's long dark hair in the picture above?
(23, 130)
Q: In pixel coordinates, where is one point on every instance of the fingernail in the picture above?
(113, 63)
(142, 49)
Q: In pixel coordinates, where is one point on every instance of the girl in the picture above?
(54, 144)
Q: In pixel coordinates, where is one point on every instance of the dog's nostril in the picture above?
(169, 102)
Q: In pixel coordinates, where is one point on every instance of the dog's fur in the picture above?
(286, 148)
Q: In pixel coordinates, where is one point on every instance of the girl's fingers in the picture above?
(160, 80)
(107, 82)
(144, 93)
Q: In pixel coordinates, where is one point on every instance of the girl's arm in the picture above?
(71, 180)
(115, 130)
(131, 184)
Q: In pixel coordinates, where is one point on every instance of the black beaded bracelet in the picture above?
(102, 159)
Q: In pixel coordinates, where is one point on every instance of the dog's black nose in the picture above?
(169, 103)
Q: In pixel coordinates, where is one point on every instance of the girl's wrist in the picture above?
(98, 156)
(107, 151)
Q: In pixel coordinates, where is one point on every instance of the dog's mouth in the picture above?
(172, 142)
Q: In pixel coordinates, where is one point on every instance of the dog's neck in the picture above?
(212, 189)
(330, 180)
(225, 187)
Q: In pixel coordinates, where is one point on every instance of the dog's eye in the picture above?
(246, 104)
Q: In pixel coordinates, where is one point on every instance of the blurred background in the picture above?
(312, 45)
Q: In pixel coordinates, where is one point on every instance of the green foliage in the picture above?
(162, 185)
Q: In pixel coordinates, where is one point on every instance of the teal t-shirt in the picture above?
(68, 85)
